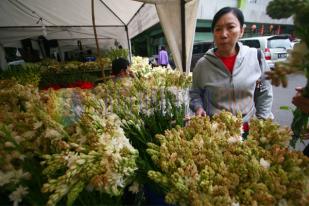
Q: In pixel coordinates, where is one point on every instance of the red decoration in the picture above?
(261, 30)
(245, 127)
(79, 83)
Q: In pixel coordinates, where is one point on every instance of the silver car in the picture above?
(199, 50)
(274, 47)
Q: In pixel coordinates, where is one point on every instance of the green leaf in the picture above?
(74, 192)
(285, 108)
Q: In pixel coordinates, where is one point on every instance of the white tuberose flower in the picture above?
(5, 178)
(264, 163)
(134, 188)
(18, 195)
(235, 139)
(52, 133)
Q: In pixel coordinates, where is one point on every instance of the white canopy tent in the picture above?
(116, 20)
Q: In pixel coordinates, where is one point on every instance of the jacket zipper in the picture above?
(233, 107)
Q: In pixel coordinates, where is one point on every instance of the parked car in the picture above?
(274, 47)
(294, 42)
(199, 49)
(16, 62)
(13, 56)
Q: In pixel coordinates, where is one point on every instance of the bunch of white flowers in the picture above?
(103, 160)
(140, 65)
(82, 144)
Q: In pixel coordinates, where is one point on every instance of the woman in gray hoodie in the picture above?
(231, 76)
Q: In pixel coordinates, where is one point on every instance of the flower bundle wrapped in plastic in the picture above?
(207, 163)
(120, 97)
(100, 157)
(139, 94)
(82, 145)
(146, 107)
(142, 99)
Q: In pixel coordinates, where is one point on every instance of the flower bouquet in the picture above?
(61, 143)
(207, 163)
(151, 103)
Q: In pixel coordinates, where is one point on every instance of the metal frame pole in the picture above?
(183, 34)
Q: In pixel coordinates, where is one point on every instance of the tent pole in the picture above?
(183, 34)
(129, 44)
(95, 35)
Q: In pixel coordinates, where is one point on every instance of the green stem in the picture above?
(300, 121)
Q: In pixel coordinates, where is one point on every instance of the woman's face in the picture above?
(227, 31)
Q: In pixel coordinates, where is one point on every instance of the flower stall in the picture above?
(106, 145)
(128, 141)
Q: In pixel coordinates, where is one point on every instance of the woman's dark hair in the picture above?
(162, 47)
(119, 64)
(237, 12)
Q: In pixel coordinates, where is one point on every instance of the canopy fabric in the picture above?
(144, 19)
(116, 20)
(67, 12)
(171, 23)
(65, 19)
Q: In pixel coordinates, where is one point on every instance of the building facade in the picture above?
(258, 23)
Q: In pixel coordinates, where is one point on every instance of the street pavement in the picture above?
(283, 97)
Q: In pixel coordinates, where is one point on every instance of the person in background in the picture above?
(231, 76)
(121, 68)
(302, 103)
(163, 57)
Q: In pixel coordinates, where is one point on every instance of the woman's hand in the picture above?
(200, 112)
(130, 73)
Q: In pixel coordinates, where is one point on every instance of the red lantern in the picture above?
(261, 30)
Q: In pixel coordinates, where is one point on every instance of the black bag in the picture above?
(259, 82)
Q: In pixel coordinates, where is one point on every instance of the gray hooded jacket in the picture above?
(214, 88)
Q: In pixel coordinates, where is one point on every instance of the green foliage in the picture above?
(287, 108)
(278, 9)
(24, 74)
(159, 120)
(117, 53)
